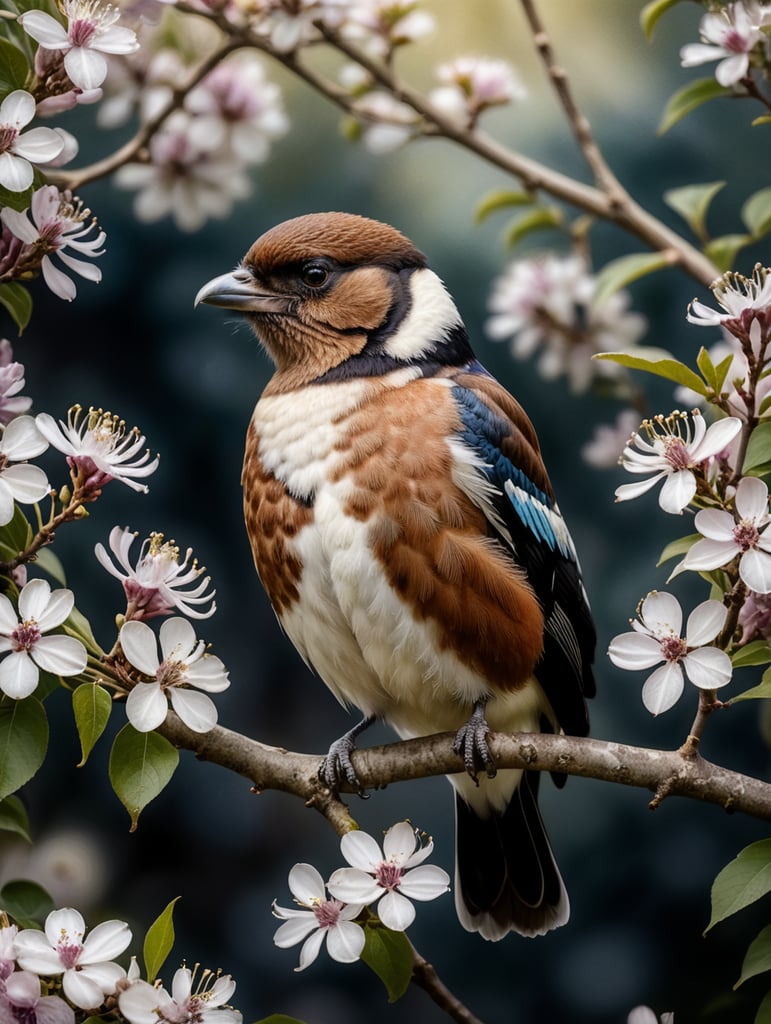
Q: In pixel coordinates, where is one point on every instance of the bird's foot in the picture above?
(471, 742)
(337, 766)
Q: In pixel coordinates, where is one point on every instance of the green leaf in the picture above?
(658, 362)
(50, 563)
(763, 1016)
(746, 879)
(159, 940)
(763, 119)
(279, 1018)
(756, 213)
(621, 272)
(23, 742)
(721, 372)
(678, 547)
(13, 817)
(141, 766)
(760, 692)
(536, 220)
(91, 705)
(27, 902)
(14, 536)
(689, 98)
(758, 447)
(14, 67)
(707, 367)
(758, 957)
(692, 203)
(18, 301)
(501, 199)
(722, 251)
(389, 955)
(755, 653)
(651, 13)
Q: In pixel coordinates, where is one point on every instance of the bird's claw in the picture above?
(471, 743)
(337, 766)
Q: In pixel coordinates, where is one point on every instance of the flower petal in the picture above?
(178, 638)
(66, 925)
(755, 570)
(709, 554)
(399, 843)
(708, 668)
(345, 942)
(295, 930)
(628, 491)
(310, 949)
(718, 437)
(677, 492)
(45, 30)
(15, 174)
(62, 655)
(18, 675)
(395, 911)
(140, 646)
(426, 882)
(197, 710)
(82, 990)
(27, 484)
(306, 884)
(715, 524)
(634, 651)
(663, 688)
(751, 498)
(360, 850)
(705, 622)
(352, 885)
(146, 707)
(58, 607)
(661, 613)
(106, 941)
(87, 68)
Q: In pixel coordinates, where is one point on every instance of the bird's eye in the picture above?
(314, 275)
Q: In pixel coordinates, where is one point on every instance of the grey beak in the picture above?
(239, 290)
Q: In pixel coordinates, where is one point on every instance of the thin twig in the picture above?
(136, 148)
(424, 975)
(579, 123)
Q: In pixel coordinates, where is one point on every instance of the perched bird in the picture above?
(405, 530)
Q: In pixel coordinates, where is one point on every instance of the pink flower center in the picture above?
(733, 40)
(673, 648)
(8, 135)
(171, 673)
(69, 954)
(388, 875)
(746, 535)
(677, 454)
(26, 635)
(328, 913)
(81, 32)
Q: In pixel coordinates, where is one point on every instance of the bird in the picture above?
(404, 527)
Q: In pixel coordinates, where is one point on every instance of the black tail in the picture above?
(506, 878)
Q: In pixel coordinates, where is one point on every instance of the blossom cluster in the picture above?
(47, 975)
(701, 469)
(547, 305)
(735, 35)
(388, 878)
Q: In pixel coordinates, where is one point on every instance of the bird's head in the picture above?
(334, 295)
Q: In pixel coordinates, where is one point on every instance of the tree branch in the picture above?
(656, 770)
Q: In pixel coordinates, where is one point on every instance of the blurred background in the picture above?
(639, 881)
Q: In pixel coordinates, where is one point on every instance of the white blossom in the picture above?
(142, 1003)
(323, 918)
(745, 536)
(676, 446)
(59, 222)
(99, 448)
(25, 648)
(184, 665)
(85, 962)
(91, 32)
(657, 638)
(156, 585)
(729, 36)
(19, 481)
(392, 877)
(471, 85)
(19, 150)
(23, 1002)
